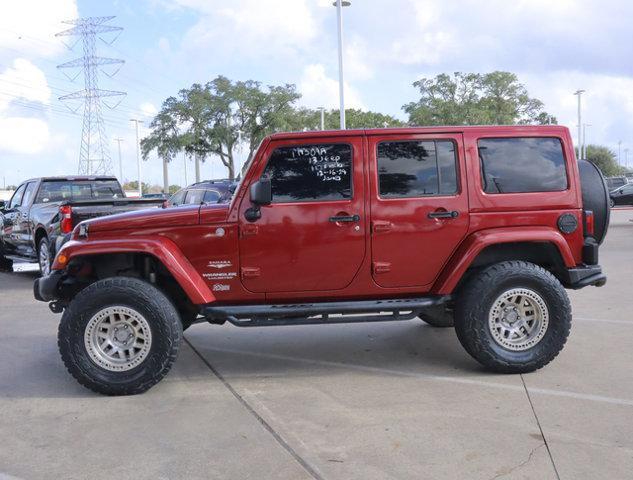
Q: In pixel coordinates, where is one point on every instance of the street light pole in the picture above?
(584, 139)
(138, 156)
(619, 152)
(579, 93)
(322, 109)
(339, 4)
(119, 140)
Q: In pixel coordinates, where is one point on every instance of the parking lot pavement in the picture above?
(399, 400)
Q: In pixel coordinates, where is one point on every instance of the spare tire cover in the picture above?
(595, 197)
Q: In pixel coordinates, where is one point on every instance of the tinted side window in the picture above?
(28, 193)
(211, 196)
(194, 197)
(178, 197)
(512, 165)
(417, 168)
(16, 199)
(311, 172)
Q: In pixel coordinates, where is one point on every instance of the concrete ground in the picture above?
(383, 400)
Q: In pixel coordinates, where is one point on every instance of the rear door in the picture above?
(312, 236)
(419, 206)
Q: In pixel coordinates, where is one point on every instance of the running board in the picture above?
(317, 313)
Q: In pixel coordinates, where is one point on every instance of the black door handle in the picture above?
(345, 218)
(444, 214)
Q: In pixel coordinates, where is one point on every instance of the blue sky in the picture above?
(555, 47)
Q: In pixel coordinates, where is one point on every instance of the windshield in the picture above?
(60, 190)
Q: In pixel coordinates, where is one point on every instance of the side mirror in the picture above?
(3, 204)
(261, 192)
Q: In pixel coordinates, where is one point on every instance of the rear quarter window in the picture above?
(521, 165)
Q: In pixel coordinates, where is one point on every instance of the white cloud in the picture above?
(29, 26)
(251, 26)
(148, 109)
(23, 82)
(23, 135)
(319, 90)
(607, 102)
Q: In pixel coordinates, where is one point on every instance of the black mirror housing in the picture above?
(261, 192)
(3, 204)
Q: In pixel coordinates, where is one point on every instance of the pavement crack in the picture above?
(280, 440)
(520, 465)
(538, 422)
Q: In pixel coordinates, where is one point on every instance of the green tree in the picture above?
(173, 189)
(133, 186)
(605, 159)
(212, 119)
(165, 137)
(308, 119)
(496, 98)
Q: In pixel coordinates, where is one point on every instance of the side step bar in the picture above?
(316, 313)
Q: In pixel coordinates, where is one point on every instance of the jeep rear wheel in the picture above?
(513, 317)
(119, 336)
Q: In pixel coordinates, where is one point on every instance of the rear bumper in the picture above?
(46, 289)
(584, 276)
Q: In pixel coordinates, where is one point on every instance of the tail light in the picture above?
(66, 214)
(589, 223)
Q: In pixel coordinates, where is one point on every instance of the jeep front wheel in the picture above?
(513, 317)
(119, 336)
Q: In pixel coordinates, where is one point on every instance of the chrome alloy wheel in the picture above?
(44, 259)
(118, 338)
(518, 319)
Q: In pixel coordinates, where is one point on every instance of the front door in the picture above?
(312, 236)
(419, 206)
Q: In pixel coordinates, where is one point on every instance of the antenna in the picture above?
(94, 153)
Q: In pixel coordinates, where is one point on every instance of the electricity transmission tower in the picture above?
(94, 153)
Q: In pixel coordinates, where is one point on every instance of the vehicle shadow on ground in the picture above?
(409, 347)
(33, 368)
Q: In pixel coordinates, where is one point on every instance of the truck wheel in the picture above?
(513, 317)
(119, 336)
(44, 257)
(437, 317)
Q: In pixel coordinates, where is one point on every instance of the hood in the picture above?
(151, 218)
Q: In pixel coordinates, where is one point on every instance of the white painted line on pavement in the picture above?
(427, 376)
(601, 320)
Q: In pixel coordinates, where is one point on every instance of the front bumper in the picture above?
(46, 289)
(584, 276)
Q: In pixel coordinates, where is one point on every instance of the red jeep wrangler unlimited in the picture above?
(480, 227)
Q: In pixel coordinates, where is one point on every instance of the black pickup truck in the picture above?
(42, 213)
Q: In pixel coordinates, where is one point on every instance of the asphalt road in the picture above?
(384, 400)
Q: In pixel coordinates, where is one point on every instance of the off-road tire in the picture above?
(476, 300)
(44, 246)
(438, 317)
(144, 298)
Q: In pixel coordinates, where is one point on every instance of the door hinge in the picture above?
(378, 226)
(248, 230)
(251, 272)
(381, 267)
